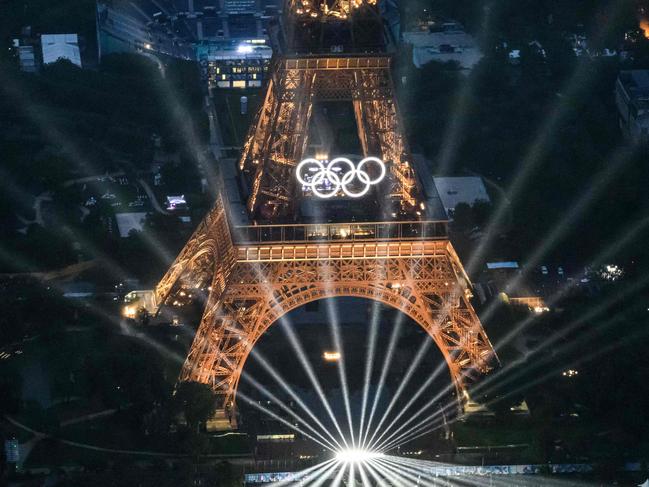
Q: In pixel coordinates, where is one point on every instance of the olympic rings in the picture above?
(327, 174)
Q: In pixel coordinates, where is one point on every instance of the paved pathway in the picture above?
(152, 198)
(89, 417)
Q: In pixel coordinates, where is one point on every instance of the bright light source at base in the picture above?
(331, 356)
(356, 455)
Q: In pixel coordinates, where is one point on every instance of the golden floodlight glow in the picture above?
(129, 311)
(644, 26)
(331, 356)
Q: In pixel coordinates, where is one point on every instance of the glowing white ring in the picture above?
(327, 172)
(324, 172)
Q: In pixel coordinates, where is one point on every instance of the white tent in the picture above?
(60, 46)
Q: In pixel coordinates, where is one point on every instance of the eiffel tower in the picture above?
(252, 275)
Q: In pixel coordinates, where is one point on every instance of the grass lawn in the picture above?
(116, 432)
(49, 452)
(521, 432)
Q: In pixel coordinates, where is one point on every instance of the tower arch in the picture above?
(421, 282)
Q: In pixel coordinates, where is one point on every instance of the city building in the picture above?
(235, 63)
(455, 190)
(447, 43)
(27, 49)
(228, 38)
(506, 281)
(26, 56)
(632, 100)
(495, 279)
(60, 46)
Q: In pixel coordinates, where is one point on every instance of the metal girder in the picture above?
(278, 139)
(207, 258)
(421, 281)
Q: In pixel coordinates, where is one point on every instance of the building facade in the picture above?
(228, 38)
(632, 100)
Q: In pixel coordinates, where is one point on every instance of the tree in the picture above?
(10, 392)
(197, 401)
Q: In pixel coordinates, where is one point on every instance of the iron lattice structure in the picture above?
(249, 277)
(335, 9)
(316, 26)
(422, 279)
(251, 284)
(279, 135)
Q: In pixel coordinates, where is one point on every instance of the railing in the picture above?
(337, 61)
(340, 232)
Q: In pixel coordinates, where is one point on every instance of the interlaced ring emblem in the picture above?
(325, 180)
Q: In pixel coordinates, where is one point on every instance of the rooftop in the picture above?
(451, 44)
(455, 190)
(60, 46)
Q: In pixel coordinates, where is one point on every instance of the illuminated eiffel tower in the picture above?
(252, 275)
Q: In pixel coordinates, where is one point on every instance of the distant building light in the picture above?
(331, 356)
(289, 437)
(533, 303)
(129, 311)
(60, 46)
(502, 265)
(611, 272)
(570, 373)
(244, 49)
(12, 450)
(173, 202)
